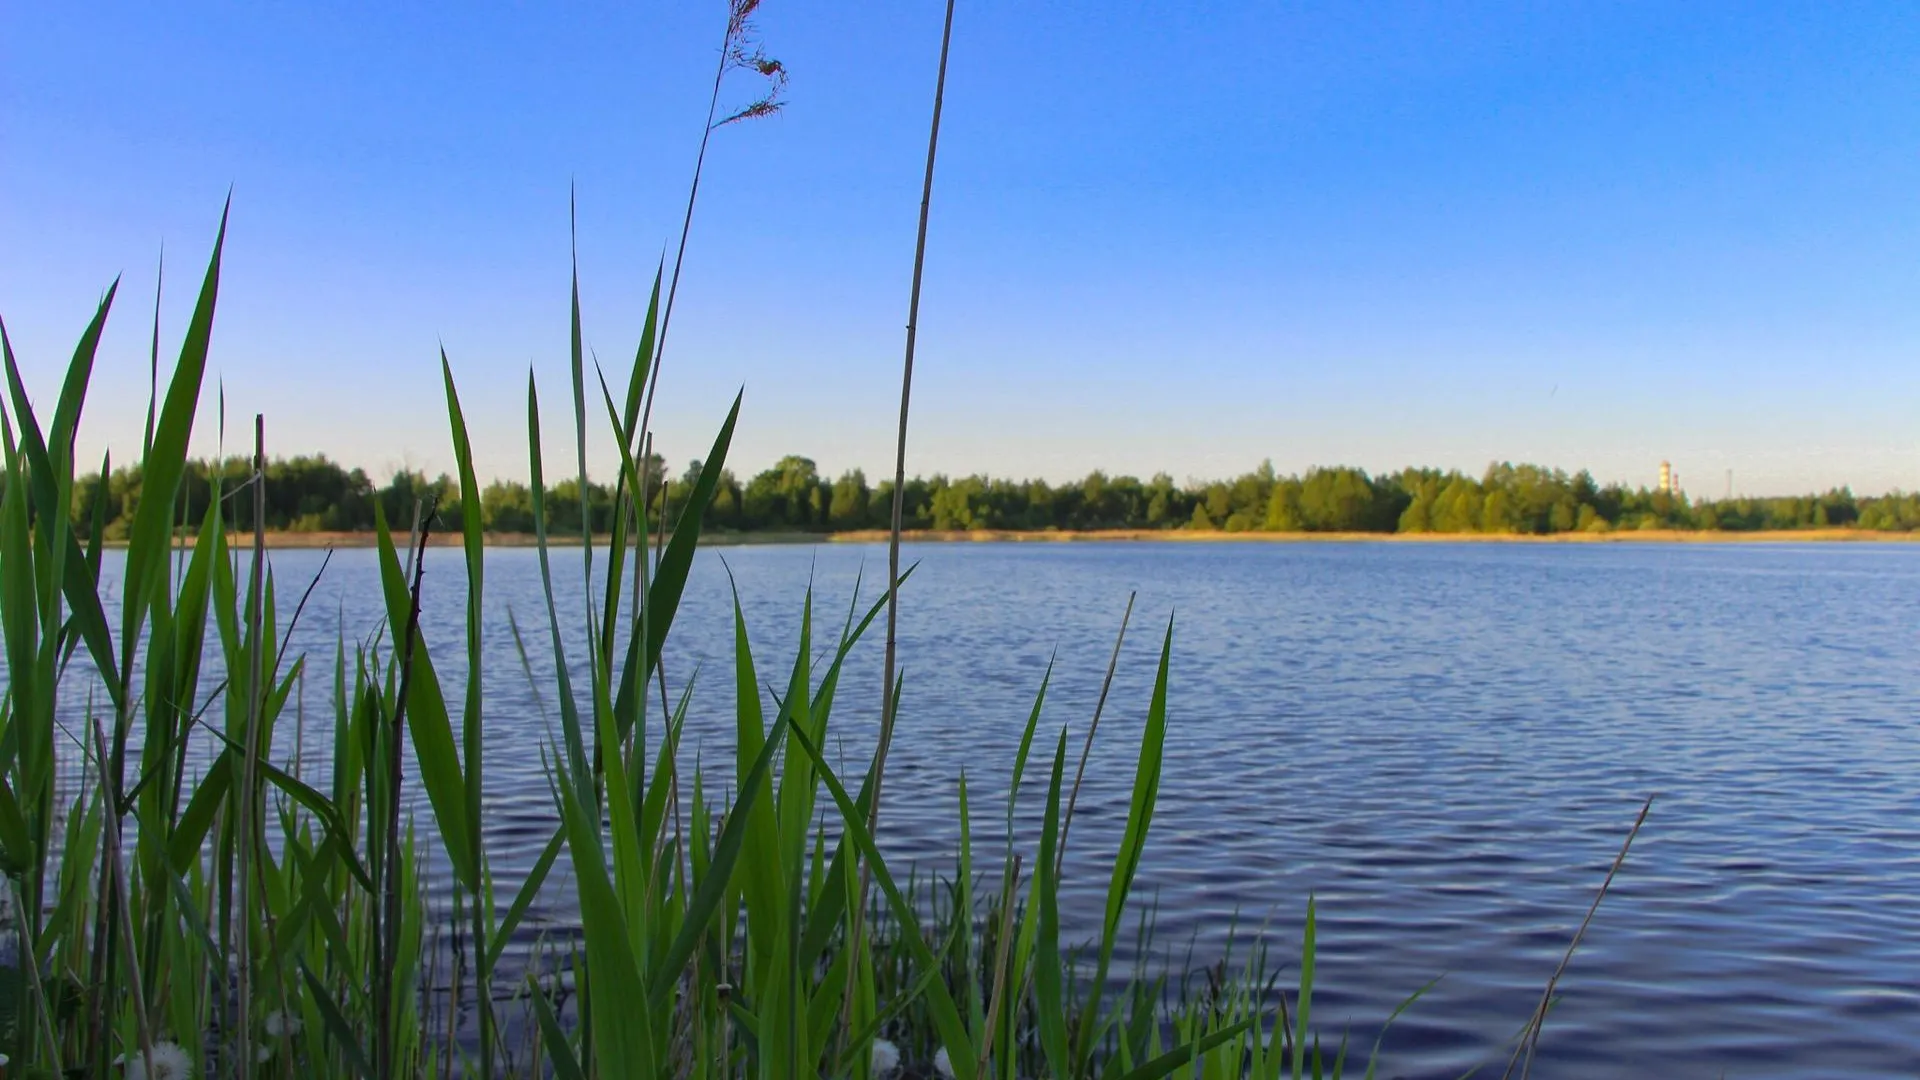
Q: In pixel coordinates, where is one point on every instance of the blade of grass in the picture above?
(1165, 1064)
(1099, 707)
(670, 579)
(426, 720)
(718, 878)
(406, 654)
(166, 462)
(946, 1014)
(338, 1028)
(1126, 863)
(248, 803)
(1373, 1061)
(1304, 1002)
(622, 1036)
(573, 738)
(472, 743)
(1048, 994)
(559, 1051)
(1531, 1040)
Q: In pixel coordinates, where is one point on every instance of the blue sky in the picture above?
(1178, 236)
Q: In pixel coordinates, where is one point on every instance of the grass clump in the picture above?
(194, 899)
(193, 904)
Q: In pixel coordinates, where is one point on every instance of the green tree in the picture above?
(311, 491)
(848, 510)
(1283, 508)
(1161, 510)
(507, 507)
(785, 496)
(1457, 509)
(1219, 501)
(1563, 514)
(1337, 500)
(1497, 512)
(957, 505)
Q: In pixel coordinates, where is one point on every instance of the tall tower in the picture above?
(1666, 477)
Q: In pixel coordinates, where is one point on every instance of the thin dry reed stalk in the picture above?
(390, 931)
(38, 991)
(732, 55)
(249, 770)
(899, 487)
(900, 454)
(1530, 1039)
(114, 879)
(1009, 891)
(1086, 748)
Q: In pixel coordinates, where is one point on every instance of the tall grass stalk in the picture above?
(733, 54)
(250, 783)
(889, 696)
(1530, 1039)
(1093, 726)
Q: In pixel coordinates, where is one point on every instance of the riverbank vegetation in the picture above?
(204, 881)
(189, 895)
(314, 494)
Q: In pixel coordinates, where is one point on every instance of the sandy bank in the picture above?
(318, 540)
(1669, 536)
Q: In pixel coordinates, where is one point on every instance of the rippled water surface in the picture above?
(1444, 744)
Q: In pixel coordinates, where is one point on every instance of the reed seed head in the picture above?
(170, 1062)
(745, 53)
(281, 1024)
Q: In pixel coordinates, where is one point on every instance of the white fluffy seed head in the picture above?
(943, 1064)
(280, 1024)
(170, 1062)
(886, 1058)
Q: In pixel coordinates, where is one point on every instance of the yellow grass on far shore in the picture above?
(289, 540)
(1632, 536)
(319, 540)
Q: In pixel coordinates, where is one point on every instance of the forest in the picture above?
(312, 493)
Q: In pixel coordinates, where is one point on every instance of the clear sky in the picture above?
(1179, 236)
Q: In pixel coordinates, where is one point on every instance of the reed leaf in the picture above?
(165, 463)
(429, 725)
(940, 1003)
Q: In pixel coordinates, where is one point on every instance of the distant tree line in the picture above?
(313, 493)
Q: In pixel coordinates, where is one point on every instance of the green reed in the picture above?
(197, 900)
(716, 930)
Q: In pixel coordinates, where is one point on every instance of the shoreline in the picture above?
(1636, 536)
(320, 540)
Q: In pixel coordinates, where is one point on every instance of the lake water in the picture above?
(1445, 744)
